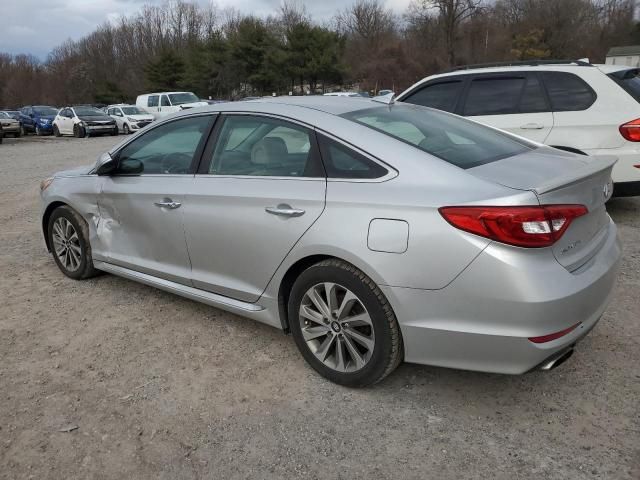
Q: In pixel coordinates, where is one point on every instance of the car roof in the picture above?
(560, 67)
(330, 104)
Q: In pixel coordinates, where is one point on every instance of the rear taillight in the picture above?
(631, 130)
(532, 226)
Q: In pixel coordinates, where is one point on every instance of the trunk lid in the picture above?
(558, 177)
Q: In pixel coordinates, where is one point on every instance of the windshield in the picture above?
(629, 81)
(460, 142)
(88, 111)
(180, 98)
(45, 111)
(132, 111)
(4, 115)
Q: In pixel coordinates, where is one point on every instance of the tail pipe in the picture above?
(557, 359)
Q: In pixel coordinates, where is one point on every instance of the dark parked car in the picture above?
(37, 119)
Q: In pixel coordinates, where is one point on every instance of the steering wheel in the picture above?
(176, 162)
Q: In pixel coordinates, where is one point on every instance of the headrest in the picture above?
(269, 150)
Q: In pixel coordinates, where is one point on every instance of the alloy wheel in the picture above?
(336, 327)
(66, 244)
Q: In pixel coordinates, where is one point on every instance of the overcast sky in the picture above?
(36, 26)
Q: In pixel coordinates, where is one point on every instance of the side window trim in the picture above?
(209, 148)
(197, 156)
(391, 172)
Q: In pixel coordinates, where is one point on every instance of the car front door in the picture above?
(515, 102)
(62, 121)
(142, 203)
(259, 187)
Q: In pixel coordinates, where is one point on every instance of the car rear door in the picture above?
(141, 212)
(259, 188)
(513, 101)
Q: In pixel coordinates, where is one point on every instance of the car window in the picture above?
(441, 95)
(152, 101)
(533, 99)
(455, 140)
(260, 146)
(168, 148)
(342, 162)
(629, 80)
(164, 101)
(568, 92)
(493, 96)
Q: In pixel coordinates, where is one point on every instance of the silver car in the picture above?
(373, 233)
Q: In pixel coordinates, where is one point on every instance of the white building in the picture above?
(629, 55)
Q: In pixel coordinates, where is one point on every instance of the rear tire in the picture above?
(343, 324)
(114, 133)
(68, 235)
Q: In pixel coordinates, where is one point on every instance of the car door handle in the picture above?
(168, 203)
(532, 126)
(284, 210)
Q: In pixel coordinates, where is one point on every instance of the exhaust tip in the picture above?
(557, 360)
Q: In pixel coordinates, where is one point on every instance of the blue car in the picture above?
(38, 119)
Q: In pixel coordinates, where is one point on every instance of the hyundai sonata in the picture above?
(373, 233)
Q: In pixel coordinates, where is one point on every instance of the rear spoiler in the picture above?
(595, 165)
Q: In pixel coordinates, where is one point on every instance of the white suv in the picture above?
(575, 106)
(129, 118)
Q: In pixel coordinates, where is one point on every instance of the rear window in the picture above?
(568, 92)
(458, 141)
(629, 81)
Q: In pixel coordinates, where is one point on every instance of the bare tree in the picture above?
(451, 13)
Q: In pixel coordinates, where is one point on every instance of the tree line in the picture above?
(227, 54)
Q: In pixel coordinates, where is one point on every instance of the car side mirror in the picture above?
(106, 164)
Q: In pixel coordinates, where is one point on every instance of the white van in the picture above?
(163, 103)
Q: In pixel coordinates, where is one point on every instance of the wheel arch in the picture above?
(299, 266)
(45, 219)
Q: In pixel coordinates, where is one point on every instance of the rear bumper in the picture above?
(484, 318)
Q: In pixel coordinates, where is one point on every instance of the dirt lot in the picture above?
(154, 386)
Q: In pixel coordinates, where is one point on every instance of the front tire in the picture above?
(114, 132)
(125, 129)
(56, 131)
(68, 235)
(22, 131)
(343, 324)
(39, 132)
(78, 131)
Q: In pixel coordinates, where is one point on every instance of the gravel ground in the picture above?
(107, 378)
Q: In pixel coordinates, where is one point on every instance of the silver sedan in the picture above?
(373, 233)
